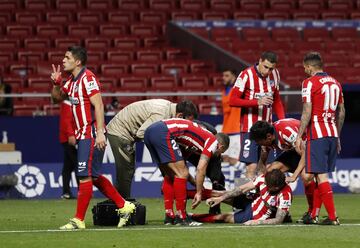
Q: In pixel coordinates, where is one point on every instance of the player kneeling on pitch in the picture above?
(162, 139)
(270, 207)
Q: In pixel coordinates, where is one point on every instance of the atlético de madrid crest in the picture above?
(246, 154)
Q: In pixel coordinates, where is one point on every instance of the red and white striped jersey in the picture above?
(192, 136)
(325, 94)
(251, 86)
(286, 133)
(264, 205)
(79, 91)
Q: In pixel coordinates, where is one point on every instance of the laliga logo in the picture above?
(31, 182)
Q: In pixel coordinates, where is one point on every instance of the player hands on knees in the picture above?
(270, 207)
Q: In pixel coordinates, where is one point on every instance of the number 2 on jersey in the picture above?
(331, 96)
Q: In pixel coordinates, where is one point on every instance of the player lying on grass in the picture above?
(162, 139)
(282, 135)
(270, 207)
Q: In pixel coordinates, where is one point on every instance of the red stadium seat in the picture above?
(174, 68)
(149, 55)
(28, 17)
(99, 4)
(144, 69)
(335, 61)
(143, 30)
(196, 5)
(163, 83)
(210, 108)
(152, 16)
(252, 5)
(46, 30)
(68, 4)
(95, 57)
(37, 4)
(311, 5)
(80, 30)
(59, 17)
(39, 82)
(14, 80)
(133, 83)
(5, 17)
(246, 15)
(127, 42)
(344, 34)
(155, 41)
(215, 16)
(112, 30)
(224, 44)
(200, 31)
(250, 57)
(30, 56)
(133, 5)
(341, 48)
(304, 47)
(44, 69)
(333, 15)
(125, 17)
(316, 34)
(224, 32)
(97, 44)
(89, 17)
(22, 69)
(280, 46)
(6, 56)
(301, 16)
(24, 110)
(275, 15)
(222, 5)
(120, 56)
(195, 82)
(109, 82)
(255, 34)
(19, 30)
(113, 69)
(56, 56)
(37, 44)
(355, 61)
(184, 16)
(285, 34)
(9, 5)
(64, 43)
(355, 16)
(296, 60)
(162, 4)
(282, 5)
(9, 44)
(339, 5)
(202, 67)
(176, 53)
(94, 67)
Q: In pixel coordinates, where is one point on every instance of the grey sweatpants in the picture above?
(124, 154)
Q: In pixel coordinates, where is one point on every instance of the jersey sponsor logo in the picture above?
(285, 204)
(31, 182)
(81, 166)
(74, 100)
(263, 94)
(92, 85)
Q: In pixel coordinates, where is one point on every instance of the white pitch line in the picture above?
(162, 228)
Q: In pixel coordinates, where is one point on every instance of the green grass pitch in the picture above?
(30, 223)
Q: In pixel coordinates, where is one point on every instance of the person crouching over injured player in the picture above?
(270, 207)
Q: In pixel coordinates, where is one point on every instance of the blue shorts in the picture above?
(321, 155)
(250, 151)
(89, 159)
(162, 146)
(241, 216)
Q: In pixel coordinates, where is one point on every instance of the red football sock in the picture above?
(316, 203)
(105, 186)
(210, 218)
(309, 192)
(84, 197)
(180, 196)
(206, 194)
(168, 192)
(327, 197)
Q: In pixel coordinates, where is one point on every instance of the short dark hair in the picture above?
(223, 139)
(260, 129)
(187, 108)
(79, 53)
(269, 56)
(233, 71)
(275, 178)
(313, 59)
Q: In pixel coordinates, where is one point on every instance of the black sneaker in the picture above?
(186, 222)
(306, 215)
(288, 218)
(67, 196)
(329, 222)
(168, 220)
(308, 220)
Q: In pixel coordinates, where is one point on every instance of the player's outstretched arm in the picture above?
(261, 166)
(199, 179)
(298, 170)
(96, 101)
(340, 118)
(279, 218)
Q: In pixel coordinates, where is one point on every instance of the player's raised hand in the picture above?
(56, 74)
(196, 201)
(100, 141)
(266, 100)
